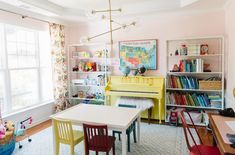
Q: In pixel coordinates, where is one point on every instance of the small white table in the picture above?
(116, 118)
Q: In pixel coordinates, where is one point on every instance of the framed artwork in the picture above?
(138, 53)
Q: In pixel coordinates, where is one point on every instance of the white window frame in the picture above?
(7, 76)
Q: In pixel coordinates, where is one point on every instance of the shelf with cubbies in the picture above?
(195, 74)
(89, 68)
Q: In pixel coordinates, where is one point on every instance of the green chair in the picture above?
(129, 130)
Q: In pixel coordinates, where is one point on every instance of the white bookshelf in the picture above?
(91, 85)
(214, 57)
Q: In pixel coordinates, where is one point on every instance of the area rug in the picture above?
(155, 140)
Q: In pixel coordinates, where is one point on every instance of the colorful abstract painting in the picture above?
(138, 53)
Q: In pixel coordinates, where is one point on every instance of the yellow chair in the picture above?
(65, 134)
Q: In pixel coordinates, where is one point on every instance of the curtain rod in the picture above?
(25, 16)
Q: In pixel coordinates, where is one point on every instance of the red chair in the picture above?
(96, 139)
(196, 149)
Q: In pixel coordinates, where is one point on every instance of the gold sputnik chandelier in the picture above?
(111, 21)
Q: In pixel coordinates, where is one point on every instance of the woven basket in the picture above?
(210, 85)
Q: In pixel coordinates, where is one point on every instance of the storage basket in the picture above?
(8, 148)
(210, 85)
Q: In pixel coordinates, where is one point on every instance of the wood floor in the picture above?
(206, 136)
(35, 129)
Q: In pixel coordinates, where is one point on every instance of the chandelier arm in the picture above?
(90, 38)
(109, 10)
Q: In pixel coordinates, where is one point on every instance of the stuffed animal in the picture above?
(9, 126)
(2, 131)
(89, 66)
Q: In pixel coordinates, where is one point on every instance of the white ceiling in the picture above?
(79, 10)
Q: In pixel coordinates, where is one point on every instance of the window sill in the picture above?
(25, 109)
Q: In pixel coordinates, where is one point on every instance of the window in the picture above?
(25, 68)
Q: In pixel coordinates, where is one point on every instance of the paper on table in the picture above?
(231, 124)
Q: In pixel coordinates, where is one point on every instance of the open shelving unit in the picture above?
(84, 83)
(214, 57)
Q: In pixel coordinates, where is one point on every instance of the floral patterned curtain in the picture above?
(60, 74)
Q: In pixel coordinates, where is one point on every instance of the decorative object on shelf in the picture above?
(142, 70)
(204, 49)
(84, 54)
(81, 66)
(102, 53)
(75, 68)
(135, 72)
(193, 49)
(81, 94)
(99, 54)
(175, 68)
(206, 67)
(183, 50)
(137, 53)
(176, 52)
(101, 80)
(125, 70)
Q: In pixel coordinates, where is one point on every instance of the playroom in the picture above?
(124, 77)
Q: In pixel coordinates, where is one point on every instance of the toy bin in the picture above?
(8, 148)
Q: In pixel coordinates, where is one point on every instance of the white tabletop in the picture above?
(114, 117)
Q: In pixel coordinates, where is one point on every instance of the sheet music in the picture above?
(231, 125)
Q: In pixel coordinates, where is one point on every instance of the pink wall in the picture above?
(230, 48)
(161, 27)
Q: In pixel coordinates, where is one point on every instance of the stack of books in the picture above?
(183, 82)
(215, 100)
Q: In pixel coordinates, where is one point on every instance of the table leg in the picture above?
(53, 134)
(138, 129)
(149, 114)
(124, 142)
(160, 111)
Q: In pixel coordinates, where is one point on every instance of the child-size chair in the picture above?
(65, 134)
(132, 128)
(97, 139)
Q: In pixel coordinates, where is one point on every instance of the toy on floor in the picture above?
(174, 118)
(21, 130)
(7, 138)
(2, 131)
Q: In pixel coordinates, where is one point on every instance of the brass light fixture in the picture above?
(111, 21)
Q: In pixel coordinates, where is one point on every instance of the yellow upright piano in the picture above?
(138, 86)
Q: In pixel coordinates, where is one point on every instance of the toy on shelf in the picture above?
(141, 70)
(84, 54)
(21, 130)
(101, 80)
(125, 70)
(102, 53)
